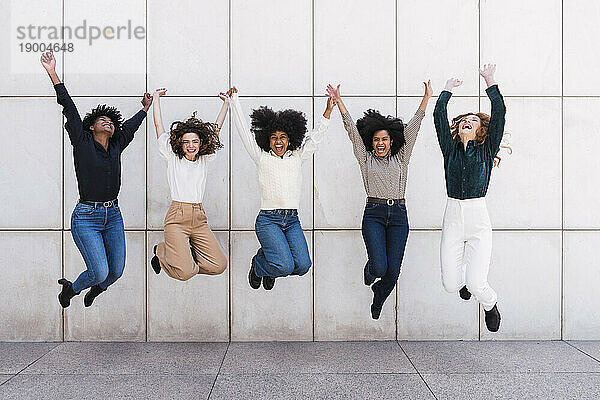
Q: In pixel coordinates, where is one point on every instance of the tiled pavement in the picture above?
(301, 370)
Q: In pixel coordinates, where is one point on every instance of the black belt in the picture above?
(106, 204)
(389, 202)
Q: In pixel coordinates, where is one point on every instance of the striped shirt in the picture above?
(384, 177)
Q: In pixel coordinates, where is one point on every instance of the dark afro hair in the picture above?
(265, 121)
(373, 121)
(103, 111)
(207, 132)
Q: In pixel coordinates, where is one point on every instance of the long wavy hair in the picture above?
(207, 132)
(480, 135)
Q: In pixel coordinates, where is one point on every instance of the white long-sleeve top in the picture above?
(279, 178)
(187, 179)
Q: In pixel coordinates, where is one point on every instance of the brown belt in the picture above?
(389, 202)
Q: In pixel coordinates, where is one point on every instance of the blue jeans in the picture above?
(283, 249)
(99, 235)
(385, 231)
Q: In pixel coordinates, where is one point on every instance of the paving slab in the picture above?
(589, 347)
(320, 386)
(16, 356)
(316, 357)
(517, 386)
(131, 358)
(94, 387)
(505, 356)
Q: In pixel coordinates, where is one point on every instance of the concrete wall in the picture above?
(545, 263)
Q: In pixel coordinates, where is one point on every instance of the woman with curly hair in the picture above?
(382, 146)
(190, 247)
(469, 146)
(278, 147)
(96, 223)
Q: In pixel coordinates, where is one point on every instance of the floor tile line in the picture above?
(578, 349)
(219, 371)
(31, 363)
(418, 372)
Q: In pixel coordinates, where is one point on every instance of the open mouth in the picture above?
(278, 148)
(380, 149)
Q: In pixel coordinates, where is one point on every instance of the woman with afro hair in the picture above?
(190, 247)
(469, 146)
(96, 223)
(382, 146)
(278, 147)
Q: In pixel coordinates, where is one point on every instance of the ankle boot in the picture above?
(91, 295)
(66, 294)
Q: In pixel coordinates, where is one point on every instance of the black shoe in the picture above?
(375, 311)
(368, 279)
(253, 278)
(492, 319)
(268, 282)
(89, 297)
(66, 294)
(155, 263)
(464, 293)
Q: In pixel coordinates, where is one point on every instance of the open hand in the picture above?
(428, 89)
(452, 83)
(48, 61)
(488, 71)
(333, 92)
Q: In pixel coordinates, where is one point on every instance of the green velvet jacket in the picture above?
(468, 170)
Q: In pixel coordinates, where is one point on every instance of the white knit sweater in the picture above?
(279, 178)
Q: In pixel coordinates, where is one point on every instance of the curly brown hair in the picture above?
(207, 132)
(480, 135)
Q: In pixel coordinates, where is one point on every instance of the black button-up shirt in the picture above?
(468, 170)
(98, 170)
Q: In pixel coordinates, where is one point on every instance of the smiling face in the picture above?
(103, 124)
(469, 126)
(382, 143)
(191, 145)
(279, 142)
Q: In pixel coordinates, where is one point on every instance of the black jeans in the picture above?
(385, 231)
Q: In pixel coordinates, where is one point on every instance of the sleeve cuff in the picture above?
(493, 91)
(325, 121)
(60, 88)
(445, 93)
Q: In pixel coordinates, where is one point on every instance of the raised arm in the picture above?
(497, 119)
(129, 127)
(226, 97)
(242, 127)
(360, 152)
(440, 116)
(311, 143)
(411, 129)
(74, 125)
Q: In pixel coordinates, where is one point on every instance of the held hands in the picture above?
(226, 97)
(487, 73)
(331, 102)
(334, 92)
(452, 83)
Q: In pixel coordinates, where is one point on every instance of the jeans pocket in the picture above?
(83, 209)
(371, 206)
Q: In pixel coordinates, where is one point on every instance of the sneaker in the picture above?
(91, 295)
(253, 278)
(66, 294)
(268, 282)
(155, 262)
(492, 319)
(464, 293)
(368, 278)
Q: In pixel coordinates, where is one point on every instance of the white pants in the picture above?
(466, 249)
